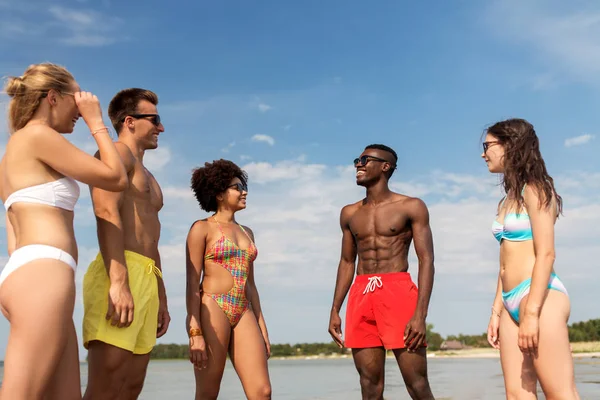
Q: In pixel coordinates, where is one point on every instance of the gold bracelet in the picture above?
(195, 332)
(495, 312)
(100, 130)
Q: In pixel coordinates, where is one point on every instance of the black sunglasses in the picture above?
(240, 187)
(363, 160)
(155, 117)
(486, 145)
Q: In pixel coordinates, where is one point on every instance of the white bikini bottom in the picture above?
(31, 252)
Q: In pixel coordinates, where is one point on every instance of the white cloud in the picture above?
(229, 147)
(156, 159)
(68, 26)
(263, 138)
(578, 140)
(87, 27)
(293, 209)
(262, 107)
(565, 36)
(244, 157)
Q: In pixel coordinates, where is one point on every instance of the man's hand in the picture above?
(163, 317)
(335, 328)
(120, 305)
(414, 334)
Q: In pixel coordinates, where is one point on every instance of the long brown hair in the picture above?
(523, 162)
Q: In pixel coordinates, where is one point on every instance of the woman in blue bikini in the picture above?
(531, 307)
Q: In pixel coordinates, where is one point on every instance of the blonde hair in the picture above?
(27, 91)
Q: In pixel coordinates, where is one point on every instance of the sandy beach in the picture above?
(579, 350)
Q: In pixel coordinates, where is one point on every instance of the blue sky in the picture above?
(293, 91)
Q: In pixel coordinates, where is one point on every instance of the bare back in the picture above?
(382, 234)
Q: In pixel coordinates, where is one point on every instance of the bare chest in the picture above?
(368, 223)
(144, 189)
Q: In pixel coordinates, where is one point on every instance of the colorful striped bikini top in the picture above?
(516, 226)
(227, 253)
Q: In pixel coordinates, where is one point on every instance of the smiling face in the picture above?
(493, 154)
(234, 197)
(146, 130)
(371, 166)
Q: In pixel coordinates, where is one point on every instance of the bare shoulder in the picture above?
(413, 206)
(249, 231)
(349, 209)
(199, 230)
(126, 155)
(535, 197)
(38, 134)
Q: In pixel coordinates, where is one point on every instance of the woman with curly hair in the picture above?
(531, 308)
(223, 253)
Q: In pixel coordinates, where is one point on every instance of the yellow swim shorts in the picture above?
(140, 336)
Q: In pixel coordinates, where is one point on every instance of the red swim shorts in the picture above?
(379, 307)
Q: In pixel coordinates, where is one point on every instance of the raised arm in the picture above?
(423, 242)
(252, 294)
(345, 274)
(194, 265)
(107, 206)
(54, 150)
(542, 227)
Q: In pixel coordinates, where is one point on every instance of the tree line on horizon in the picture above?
(588, 331)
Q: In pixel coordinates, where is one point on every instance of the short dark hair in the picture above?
(213, 179)
(389, 150)
(126, 102)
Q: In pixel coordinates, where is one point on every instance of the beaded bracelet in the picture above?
(195, 332)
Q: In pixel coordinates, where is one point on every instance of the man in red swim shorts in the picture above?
(385, 309)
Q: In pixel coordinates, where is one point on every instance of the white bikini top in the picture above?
(62, 193)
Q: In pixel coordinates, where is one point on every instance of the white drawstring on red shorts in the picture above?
(374, 282)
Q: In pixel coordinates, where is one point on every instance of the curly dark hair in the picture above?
(213, 179)
(523, 162)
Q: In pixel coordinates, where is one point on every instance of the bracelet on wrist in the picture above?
(195, 332)
(99, 130)
(494, 312)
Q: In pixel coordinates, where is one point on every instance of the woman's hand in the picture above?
(493, 331)
(89, 108)
(198, 355)
(529, 330)
(265, 336)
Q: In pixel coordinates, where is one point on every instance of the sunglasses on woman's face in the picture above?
(154, 118)
(239, 187)
(486, 145)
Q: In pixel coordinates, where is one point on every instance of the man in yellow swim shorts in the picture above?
(125, 303)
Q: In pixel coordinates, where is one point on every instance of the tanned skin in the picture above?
(127, 220)
(379, 230)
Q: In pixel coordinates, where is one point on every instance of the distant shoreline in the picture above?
(578, 352)
(445, 355)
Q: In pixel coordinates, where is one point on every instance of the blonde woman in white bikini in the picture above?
(38, 188)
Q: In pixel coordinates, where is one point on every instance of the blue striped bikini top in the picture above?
(516, 226)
